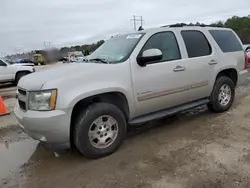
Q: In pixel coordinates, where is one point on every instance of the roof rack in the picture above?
(183, 25)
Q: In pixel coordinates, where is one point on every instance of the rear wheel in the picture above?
(223, 95)
(99, 130)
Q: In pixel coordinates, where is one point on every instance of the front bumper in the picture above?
(51, 127)
(242, 77)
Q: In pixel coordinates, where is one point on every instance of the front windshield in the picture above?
(117, 49)
(7, 61)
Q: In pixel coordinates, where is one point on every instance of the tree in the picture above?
(241, 25)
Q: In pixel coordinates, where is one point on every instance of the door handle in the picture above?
(213, 62)
(179, 68)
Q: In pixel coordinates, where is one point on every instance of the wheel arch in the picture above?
(116, 98)
(22, 71)
(229, 72)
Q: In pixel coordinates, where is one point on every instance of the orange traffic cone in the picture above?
(3, 110)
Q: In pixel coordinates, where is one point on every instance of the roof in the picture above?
(170, 27)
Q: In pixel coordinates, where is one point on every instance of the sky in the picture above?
(28, 24)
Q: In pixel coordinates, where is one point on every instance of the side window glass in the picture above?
(196, 44)
(2, 63)
(226, 40)
(167, 43)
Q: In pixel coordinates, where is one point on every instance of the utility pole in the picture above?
(135, 20)
(46, 44)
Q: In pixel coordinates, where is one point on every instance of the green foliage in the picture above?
(241, 25)
(83, 48)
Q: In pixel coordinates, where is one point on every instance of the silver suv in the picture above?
(129, 80)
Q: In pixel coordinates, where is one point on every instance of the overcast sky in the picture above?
(26, 24)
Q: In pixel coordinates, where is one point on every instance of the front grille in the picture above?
(22, 92)
(22, 105)
(22, 99)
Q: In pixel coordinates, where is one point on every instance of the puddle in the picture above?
(15, 154)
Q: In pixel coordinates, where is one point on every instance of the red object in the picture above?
(246, 59)
(2, 107)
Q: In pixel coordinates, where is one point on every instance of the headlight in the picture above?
(42, 100)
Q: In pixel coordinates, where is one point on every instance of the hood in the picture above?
(35, 81)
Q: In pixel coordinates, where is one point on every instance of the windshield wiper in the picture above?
(100, 60)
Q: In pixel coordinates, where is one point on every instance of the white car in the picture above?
(13, 72)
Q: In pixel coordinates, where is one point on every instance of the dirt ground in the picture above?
(194, 149)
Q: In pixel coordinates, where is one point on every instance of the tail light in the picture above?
(246, 59)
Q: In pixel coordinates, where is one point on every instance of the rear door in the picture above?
(200, 62)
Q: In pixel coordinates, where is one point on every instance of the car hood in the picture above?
(35, 81)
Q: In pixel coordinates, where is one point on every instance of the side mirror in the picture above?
(149, 55)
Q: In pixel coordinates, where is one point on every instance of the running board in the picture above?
(167, 112)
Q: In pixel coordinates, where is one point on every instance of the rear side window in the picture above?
(226, 40)
(196, 44)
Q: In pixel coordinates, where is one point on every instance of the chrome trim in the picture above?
(23, 98)
(171, 91)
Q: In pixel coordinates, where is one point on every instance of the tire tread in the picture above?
(214, 105)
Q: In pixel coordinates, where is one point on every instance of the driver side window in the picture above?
(167, 43)
(2, 63)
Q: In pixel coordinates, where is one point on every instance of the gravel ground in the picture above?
(194, 149)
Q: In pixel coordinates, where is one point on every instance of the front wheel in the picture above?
(99, 130)
(223, 95)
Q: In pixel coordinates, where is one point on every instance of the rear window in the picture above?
(226, 40)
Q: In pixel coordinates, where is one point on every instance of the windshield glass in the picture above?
(117, 49)
(7, 61)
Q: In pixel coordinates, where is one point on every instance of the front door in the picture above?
(5, 72)
(160, 84)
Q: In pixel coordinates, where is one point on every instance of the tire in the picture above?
(19, 76)
(215, 103)
(84, 126)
